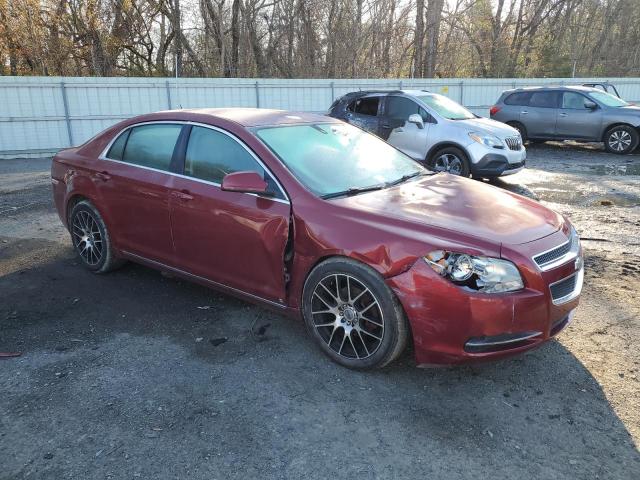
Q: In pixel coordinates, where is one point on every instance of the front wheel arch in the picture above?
(634, 131)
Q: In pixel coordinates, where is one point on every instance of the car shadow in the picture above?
(138, 372)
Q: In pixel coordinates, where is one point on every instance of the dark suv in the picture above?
(570, 113)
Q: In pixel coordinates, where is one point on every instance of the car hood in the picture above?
(486, 125)
(463, 206)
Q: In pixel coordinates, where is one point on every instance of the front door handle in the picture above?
(104, 176)
(562, 114)
(524, 112)
(182, 195)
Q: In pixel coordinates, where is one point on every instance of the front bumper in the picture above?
(453, 325)
(493, 162)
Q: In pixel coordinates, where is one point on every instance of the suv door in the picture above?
(363, 112)
(402, 134)
(539, 117)
(234, 239)
(577, 121)
(134, 184)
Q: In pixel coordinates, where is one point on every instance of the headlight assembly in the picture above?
(486, 139)
(484, 274)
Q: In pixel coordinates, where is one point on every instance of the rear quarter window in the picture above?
(519, 98)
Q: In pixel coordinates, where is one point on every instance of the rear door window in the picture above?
(519, 98)
(365, 106)
(151, 145)
(544, 99)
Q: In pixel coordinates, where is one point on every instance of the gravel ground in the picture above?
(138, 375)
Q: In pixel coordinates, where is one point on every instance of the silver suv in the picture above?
(570, 113)
(436, 131)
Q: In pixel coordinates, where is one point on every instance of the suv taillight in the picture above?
(493, 110)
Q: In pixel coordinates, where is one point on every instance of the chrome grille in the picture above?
(514, 143)
(551, 255)
(563, 288)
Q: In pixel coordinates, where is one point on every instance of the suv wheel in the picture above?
(621, 139)
(451, 160)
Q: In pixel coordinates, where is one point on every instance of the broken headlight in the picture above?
(484, 274)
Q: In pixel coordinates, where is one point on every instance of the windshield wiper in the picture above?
(354, 191)
(404, 178)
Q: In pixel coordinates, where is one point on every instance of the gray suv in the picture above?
(570, 113)
(436, 131)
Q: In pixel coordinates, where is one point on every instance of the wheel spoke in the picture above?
(321, 311)
(353, 346)
(371, 321)
(344, 337)
(330, 293)
(371, 334)
(322, 299)
(362, 341)
(318, 325)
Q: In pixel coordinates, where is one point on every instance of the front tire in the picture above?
(353, 315)
(450, 160)
(621, 139)
(91, 239)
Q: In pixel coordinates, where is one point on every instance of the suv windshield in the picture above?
(333, 159)
(445, 107)
(608, 99)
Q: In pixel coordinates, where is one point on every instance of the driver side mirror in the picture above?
(590, 105)
(417, 119)
(244, 182)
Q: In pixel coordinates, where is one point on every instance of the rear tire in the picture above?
(621, 139)
(91, 239)
(450, 160)
(521, 130)
(353, 315)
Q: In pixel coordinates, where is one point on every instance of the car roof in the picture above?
(579, 88)
(248, 117)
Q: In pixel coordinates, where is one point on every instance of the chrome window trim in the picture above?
(576, 290)
(103, 157)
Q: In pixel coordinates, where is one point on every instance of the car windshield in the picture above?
(608, 99)
(333, 159)
(445, 107)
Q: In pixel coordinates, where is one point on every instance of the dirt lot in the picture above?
(127, 375)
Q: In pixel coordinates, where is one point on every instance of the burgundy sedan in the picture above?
(318, 219)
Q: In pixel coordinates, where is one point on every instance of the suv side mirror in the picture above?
(590, 105)
(244, 182)
(417, 119)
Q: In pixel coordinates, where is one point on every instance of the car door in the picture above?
(364, 112)
(401, 133)
(577, 121)
(133, 182)
(234, 239)
(540, 115)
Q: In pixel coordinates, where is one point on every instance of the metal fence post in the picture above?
(67, 117)
(333, 95)
(461, 92)
(400, 85)
(168, 94)
(257, 95)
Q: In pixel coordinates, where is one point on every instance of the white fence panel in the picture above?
(40, 115)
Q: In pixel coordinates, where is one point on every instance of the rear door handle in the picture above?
(104, 176)
(524, 112)
(562, 114)
(182, 195)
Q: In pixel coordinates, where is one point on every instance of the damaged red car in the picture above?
(321, 220)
